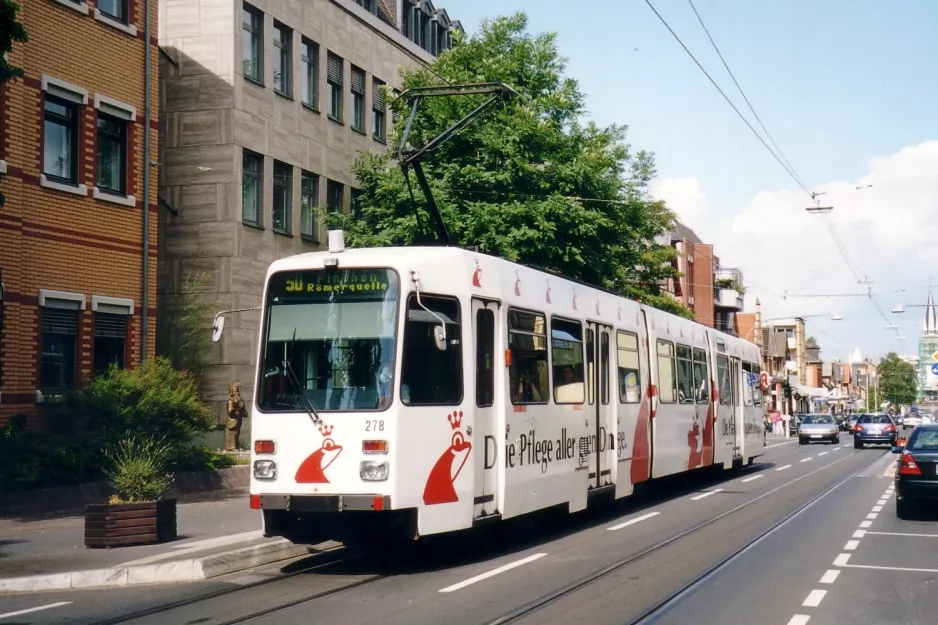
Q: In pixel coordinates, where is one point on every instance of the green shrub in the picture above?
(137, 468)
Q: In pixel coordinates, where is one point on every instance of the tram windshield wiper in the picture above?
(297, 387)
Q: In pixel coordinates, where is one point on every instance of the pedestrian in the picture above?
(776, 422)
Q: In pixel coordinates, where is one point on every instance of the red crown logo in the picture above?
(455, 419)
(326, 430)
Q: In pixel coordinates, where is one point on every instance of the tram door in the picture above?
(737, 407)
(601, 411)
(485, 330)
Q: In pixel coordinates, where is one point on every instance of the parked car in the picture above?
(916, 478)
(874, 429)
(816, 428)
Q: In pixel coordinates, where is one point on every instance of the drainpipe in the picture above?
(145, 298)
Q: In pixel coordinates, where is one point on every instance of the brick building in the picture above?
(695, 261)
(72, 167)
(265, 106)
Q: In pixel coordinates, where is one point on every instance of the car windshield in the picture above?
(334, 330)
(817, 418)
(924, 440)
(874, 418)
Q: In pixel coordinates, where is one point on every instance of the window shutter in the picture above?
(377, 95)
(60, 321)
(110, 326)
(335, 69)
(358, 81)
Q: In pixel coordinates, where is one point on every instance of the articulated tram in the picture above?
(423, 390)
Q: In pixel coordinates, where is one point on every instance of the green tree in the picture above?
(530, 181)
(898, 381)
(11, 31)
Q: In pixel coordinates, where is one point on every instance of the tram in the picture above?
(423, 390)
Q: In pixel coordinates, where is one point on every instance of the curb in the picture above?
(188, 570)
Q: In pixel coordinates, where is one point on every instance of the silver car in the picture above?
(816, 428)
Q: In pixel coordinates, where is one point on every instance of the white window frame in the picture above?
(130, 29)
(128, 113)
(46, 296)
(81, 7)
(112, 305)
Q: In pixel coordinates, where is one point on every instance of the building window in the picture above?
(528, 378)
(252, 43)
(114, 9)
(283, 195)
(630, 391)
(283, 60)
(379, 111)
(310, 74)
(429, 375)
(112, 155)
(110, 341)
(59, 339)
(566, 345)
(369, 5)
(334, 85)
(60, 140)
(667, 383)
(309, 206)
(358, 99)
(335, 196)
(355, 206)
(252, 196)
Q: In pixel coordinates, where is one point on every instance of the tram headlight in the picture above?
(374, 470)
(265, 470)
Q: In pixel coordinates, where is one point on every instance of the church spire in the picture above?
(931, 323)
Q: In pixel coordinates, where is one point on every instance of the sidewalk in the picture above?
(215, 537)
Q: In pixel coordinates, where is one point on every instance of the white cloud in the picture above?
(889, 230)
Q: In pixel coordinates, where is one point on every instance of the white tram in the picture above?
(426, 389)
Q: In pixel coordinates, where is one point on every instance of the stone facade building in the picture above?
(264, 107)
(78, 281)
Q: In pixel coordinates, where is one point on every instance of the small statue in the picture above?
(237, 413)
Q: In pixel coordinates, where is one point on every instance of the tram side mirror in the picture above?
(217, 328)
(896, 449)
(439, 337)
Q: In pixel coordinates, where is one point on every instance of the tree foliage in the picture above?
(898, 380)
(529, 181)
(11, 31)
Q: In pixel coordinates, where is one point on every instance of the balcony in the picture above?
(728, 298)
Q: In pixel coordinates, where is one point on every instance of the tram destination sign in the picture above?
(317, 285)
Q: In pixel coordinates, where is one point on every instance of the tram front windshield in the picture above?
(329, 334)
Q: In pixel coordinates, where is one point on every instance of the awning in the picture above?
(810, 391)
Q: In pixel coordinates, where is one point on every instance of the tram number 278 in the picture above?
(373, 425)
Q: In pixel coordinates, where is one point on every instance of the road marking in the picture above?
(872, 516)
(799, 619)
(814, 599)
(852, 545)
(845, 446)
(754, 477)
(890, 471)
(778, 444)
(787, 466)
(861, 533)
(881, 502)
(707, 494)
(493, 572)
(38, 609)
(865, 524)
(877, 508)
(637, 519)
(830, 577)
(806, 459)
(842, 559)
(889, 568)
(904, 534)
(822, 453)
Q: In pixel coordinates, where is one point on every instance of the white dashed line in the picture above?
(814, 599)
(754, 477)
(861, 533)
(778, 444)
(889, 568)
(806, 459)
(877, 508)
(852, 545)
(865, 524)
(902, 534)
(822, 453)
(845, 446)
(830, 577)
(707, 494)
(799, 619)
(493, 572)
(881, 502)
(842, 559)
(787, 466)
(31, 610)
(872, 516)
(638, 519)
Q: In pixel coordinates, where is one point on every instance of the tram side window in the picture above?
(666, 377)
(630, 391)
(753, 395)
(748, 387)
(685, 375)
(527, 373)
(566, 345)
(701, 377)
(723, 379)
(485, 357)
(430, 375)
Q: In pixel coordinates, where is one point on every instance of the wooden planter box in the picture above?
(125, 524)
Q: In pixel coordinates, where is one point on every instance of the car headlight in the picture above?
(265, 470)
(374, 470)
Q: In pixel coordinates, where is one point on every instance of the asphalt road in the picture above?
(610, 566)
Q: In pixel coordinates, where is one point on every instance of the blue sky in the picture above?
(848, 90)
